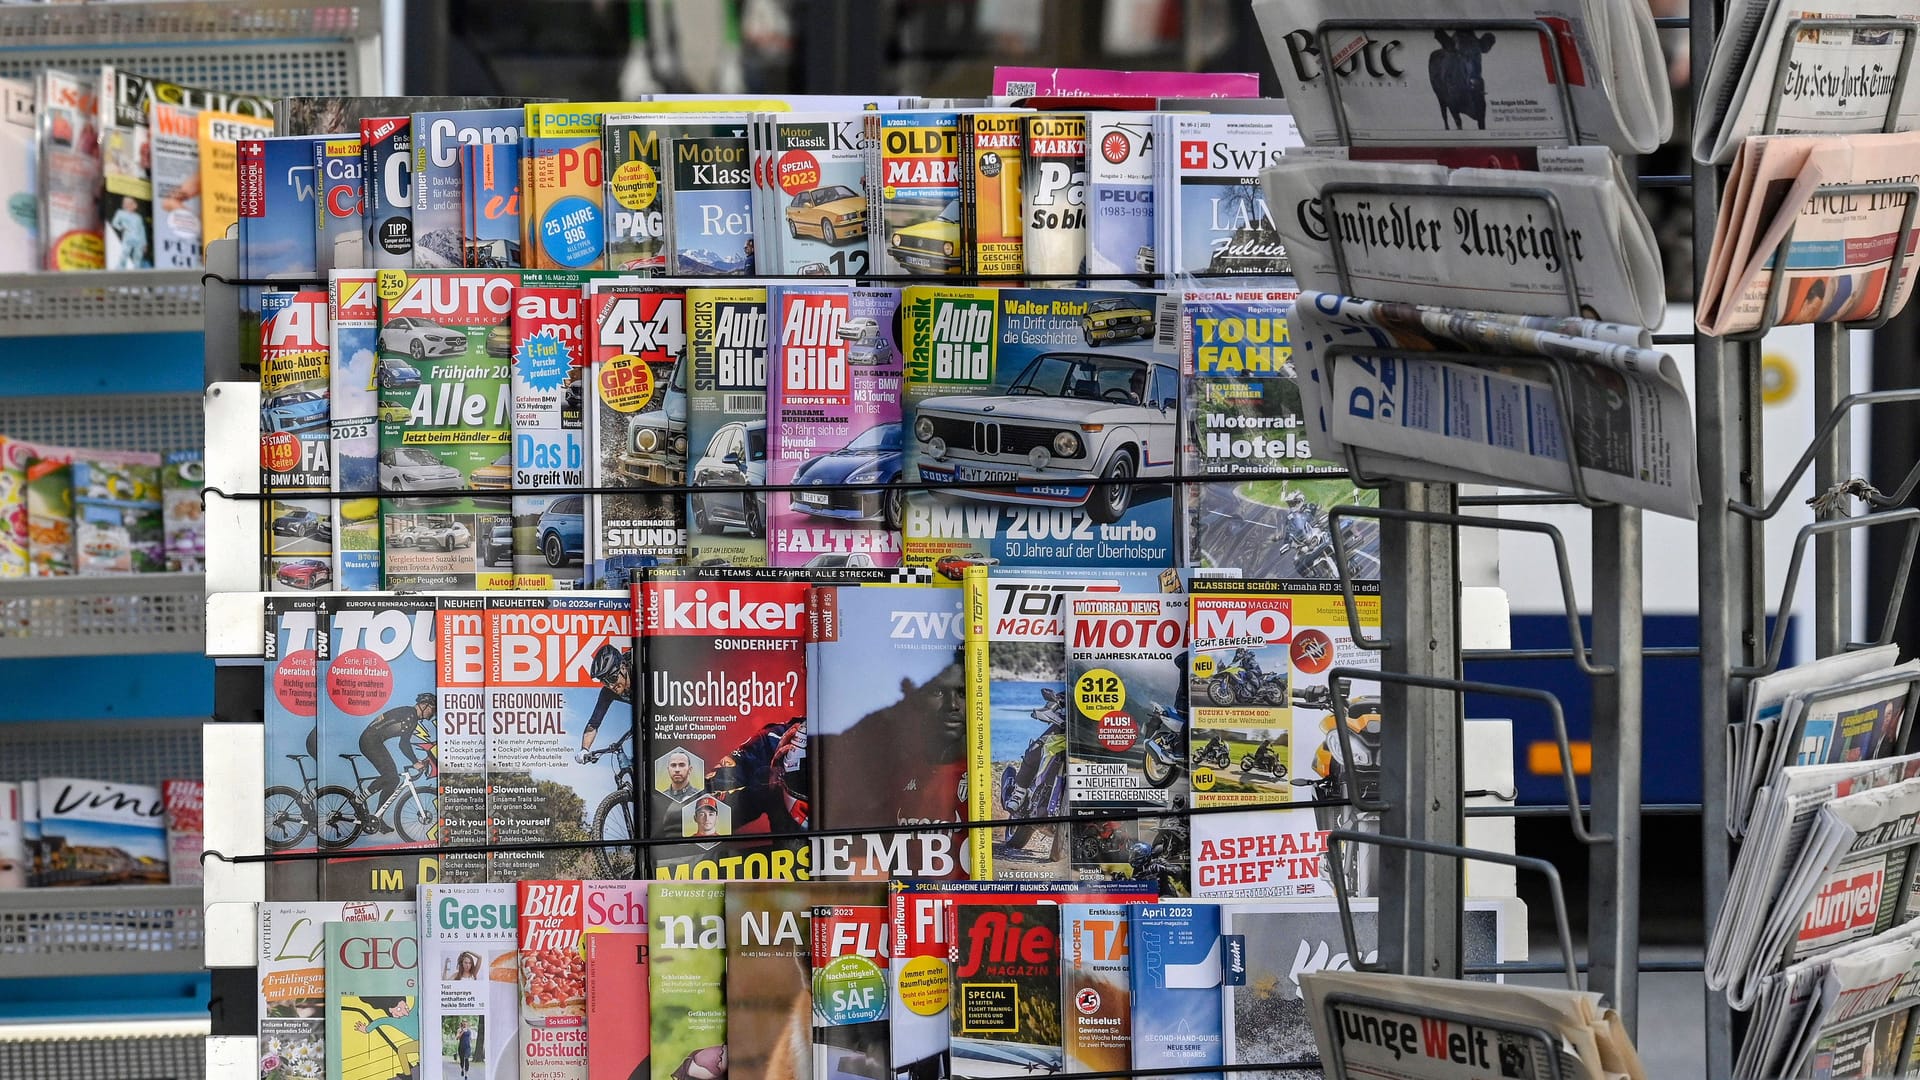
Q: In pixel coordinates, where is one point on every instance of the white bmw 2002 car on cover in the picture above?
(1069, 421)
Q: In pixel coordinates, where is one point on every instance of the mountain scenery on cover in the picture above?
(440, 188)
(636, 425)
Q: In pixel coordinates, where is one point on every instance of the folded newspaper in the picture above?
(1837, 81)
(1496, 419)
(1404, 1027)
(1842, 1014)
(1424, 243)
(1487, 84)
(1842, 245)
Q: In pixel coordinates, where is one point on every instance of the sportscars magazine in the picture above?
(1052, 391)
(727, 426)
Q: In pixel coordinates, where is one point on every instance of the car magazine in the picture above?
(288, 709)
(219, 135)
(1177, 973)
(116, 513)
(638, 176)
(96, 833)
(636, 423)
(354, 399)
(991, 212)
(1120, 173)
(553, 980)
(727, 426)
(709, 206)
(69, 171)
(1126, 731)
(769, 999)
(686, 996)
(1052, 390)
(833, 419)
(469, 972)
(295, 439)
(340, 237)
(460, 642)
(50, 524)
(1055, 193)
(275, 181)
(563, 205)
(379, 737)
(545, 542)
(386, 191)
(19, 179)
(1005, 1015)
(445, 340)
(814, 189)
(849, 992)
(373, 994)
(560, 735)
(726, 739)
(183, 474)
(887, 750)
(1216, 220)
(490, 206)
(617, 997)
(1095, 966)
(439, 185)
(175, 154)
(291, 1007)
(915, 204)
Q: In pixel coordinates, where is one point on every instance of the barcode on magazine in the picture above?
(1022, 89)
(1166, 321)
(733, 403)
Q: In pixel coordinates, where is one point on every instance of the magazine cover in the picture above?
(50, 524)
(916, 200)
(445, 343)
(769, 1002)
(96, 833)
(490, 206)
(340, 236)
(183, 519)
(1095, 964)
(639, 174)
(379, 703)
(686, 995)
(563, 204)
(849, 991)
(373, 994)
(14, 455)
(991, 212)
(291, 1018)
(818, 197)
(1240, 691)
(616, 999)
(726, 746)
(185, 821)
(275, 181)
(69, 167)
(1216, 220)
(470, 991)
(460, 675)
(636, 424)
(709, 206)
(295, 439)
(1005, 1017)
(116, 511)
(439, 186)
(553, 981)
(1176, 979)
(727, 426)
(289, 711)
(546, 540)
(218, 135)
(888, 750)
(1120, 172)
(1055, 193)
(342, 115)
(353, 396)
(19, 178)
(126, 101)
(1054, 390)
(833, 416)
(15, 864)
(560, 735)
(176, 187)
(386, 191)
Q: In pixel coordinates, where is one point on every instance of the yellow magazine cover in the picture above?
(219, 136)
(991, 143)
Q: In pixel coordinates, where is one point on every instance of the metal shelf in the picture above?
(100, 302)
(187, 22)
(104, 1050)
(103, 616)
(102, 930)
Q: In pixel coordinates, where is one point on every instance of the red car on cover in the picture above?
(304, 573)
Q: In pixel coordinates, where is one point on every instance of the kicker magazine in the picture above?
(1055, 199)
(636, 424)
(460, 646)
(727, 426)
(439, 187)
(69, 171)
(726, 749)
(545, 542)
(469, 996)
(833, 417)
(1052, 390)
(914, 207)
(818, 208)
(1120, 171)
(386, 202)
(295, 439)
(340, 238)
(292, 752)
(991, 210)
(560, 732)
(887, 749)
(354, 398)
(445, 342)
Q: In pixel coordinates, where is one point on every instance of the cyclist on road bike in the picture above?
(399, 724)
(615, 674)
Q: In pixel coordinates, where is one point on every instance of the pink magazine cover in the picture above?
(1022, 82)
(833, 419)
(616, 944)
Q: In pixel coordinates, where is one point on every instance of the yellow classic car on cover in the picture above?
(1117, 318)
(929, 246)
(832, 214)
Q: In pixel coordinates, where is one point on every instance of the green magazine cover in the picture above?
(373, 988)
(686, 978)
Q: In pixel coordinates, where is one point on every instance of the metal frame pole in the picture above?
(1832, 552)
(1613, 891)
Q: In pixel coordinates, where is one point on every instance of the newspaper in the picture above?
(1753, 754)
(1404, 1027)
(1842, 244)
(1449, 422)
(1837, 81)
(1488, 85)
(1477, 252)
(1841, 1014)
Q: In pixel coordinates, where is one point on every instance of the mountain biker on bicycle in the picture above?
(400, 725)
(610, 667)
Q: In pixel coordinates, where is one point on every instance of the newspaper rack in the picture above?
(1777, 637)
(1869, 24)
(1336, 1065)
(1889, 291)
